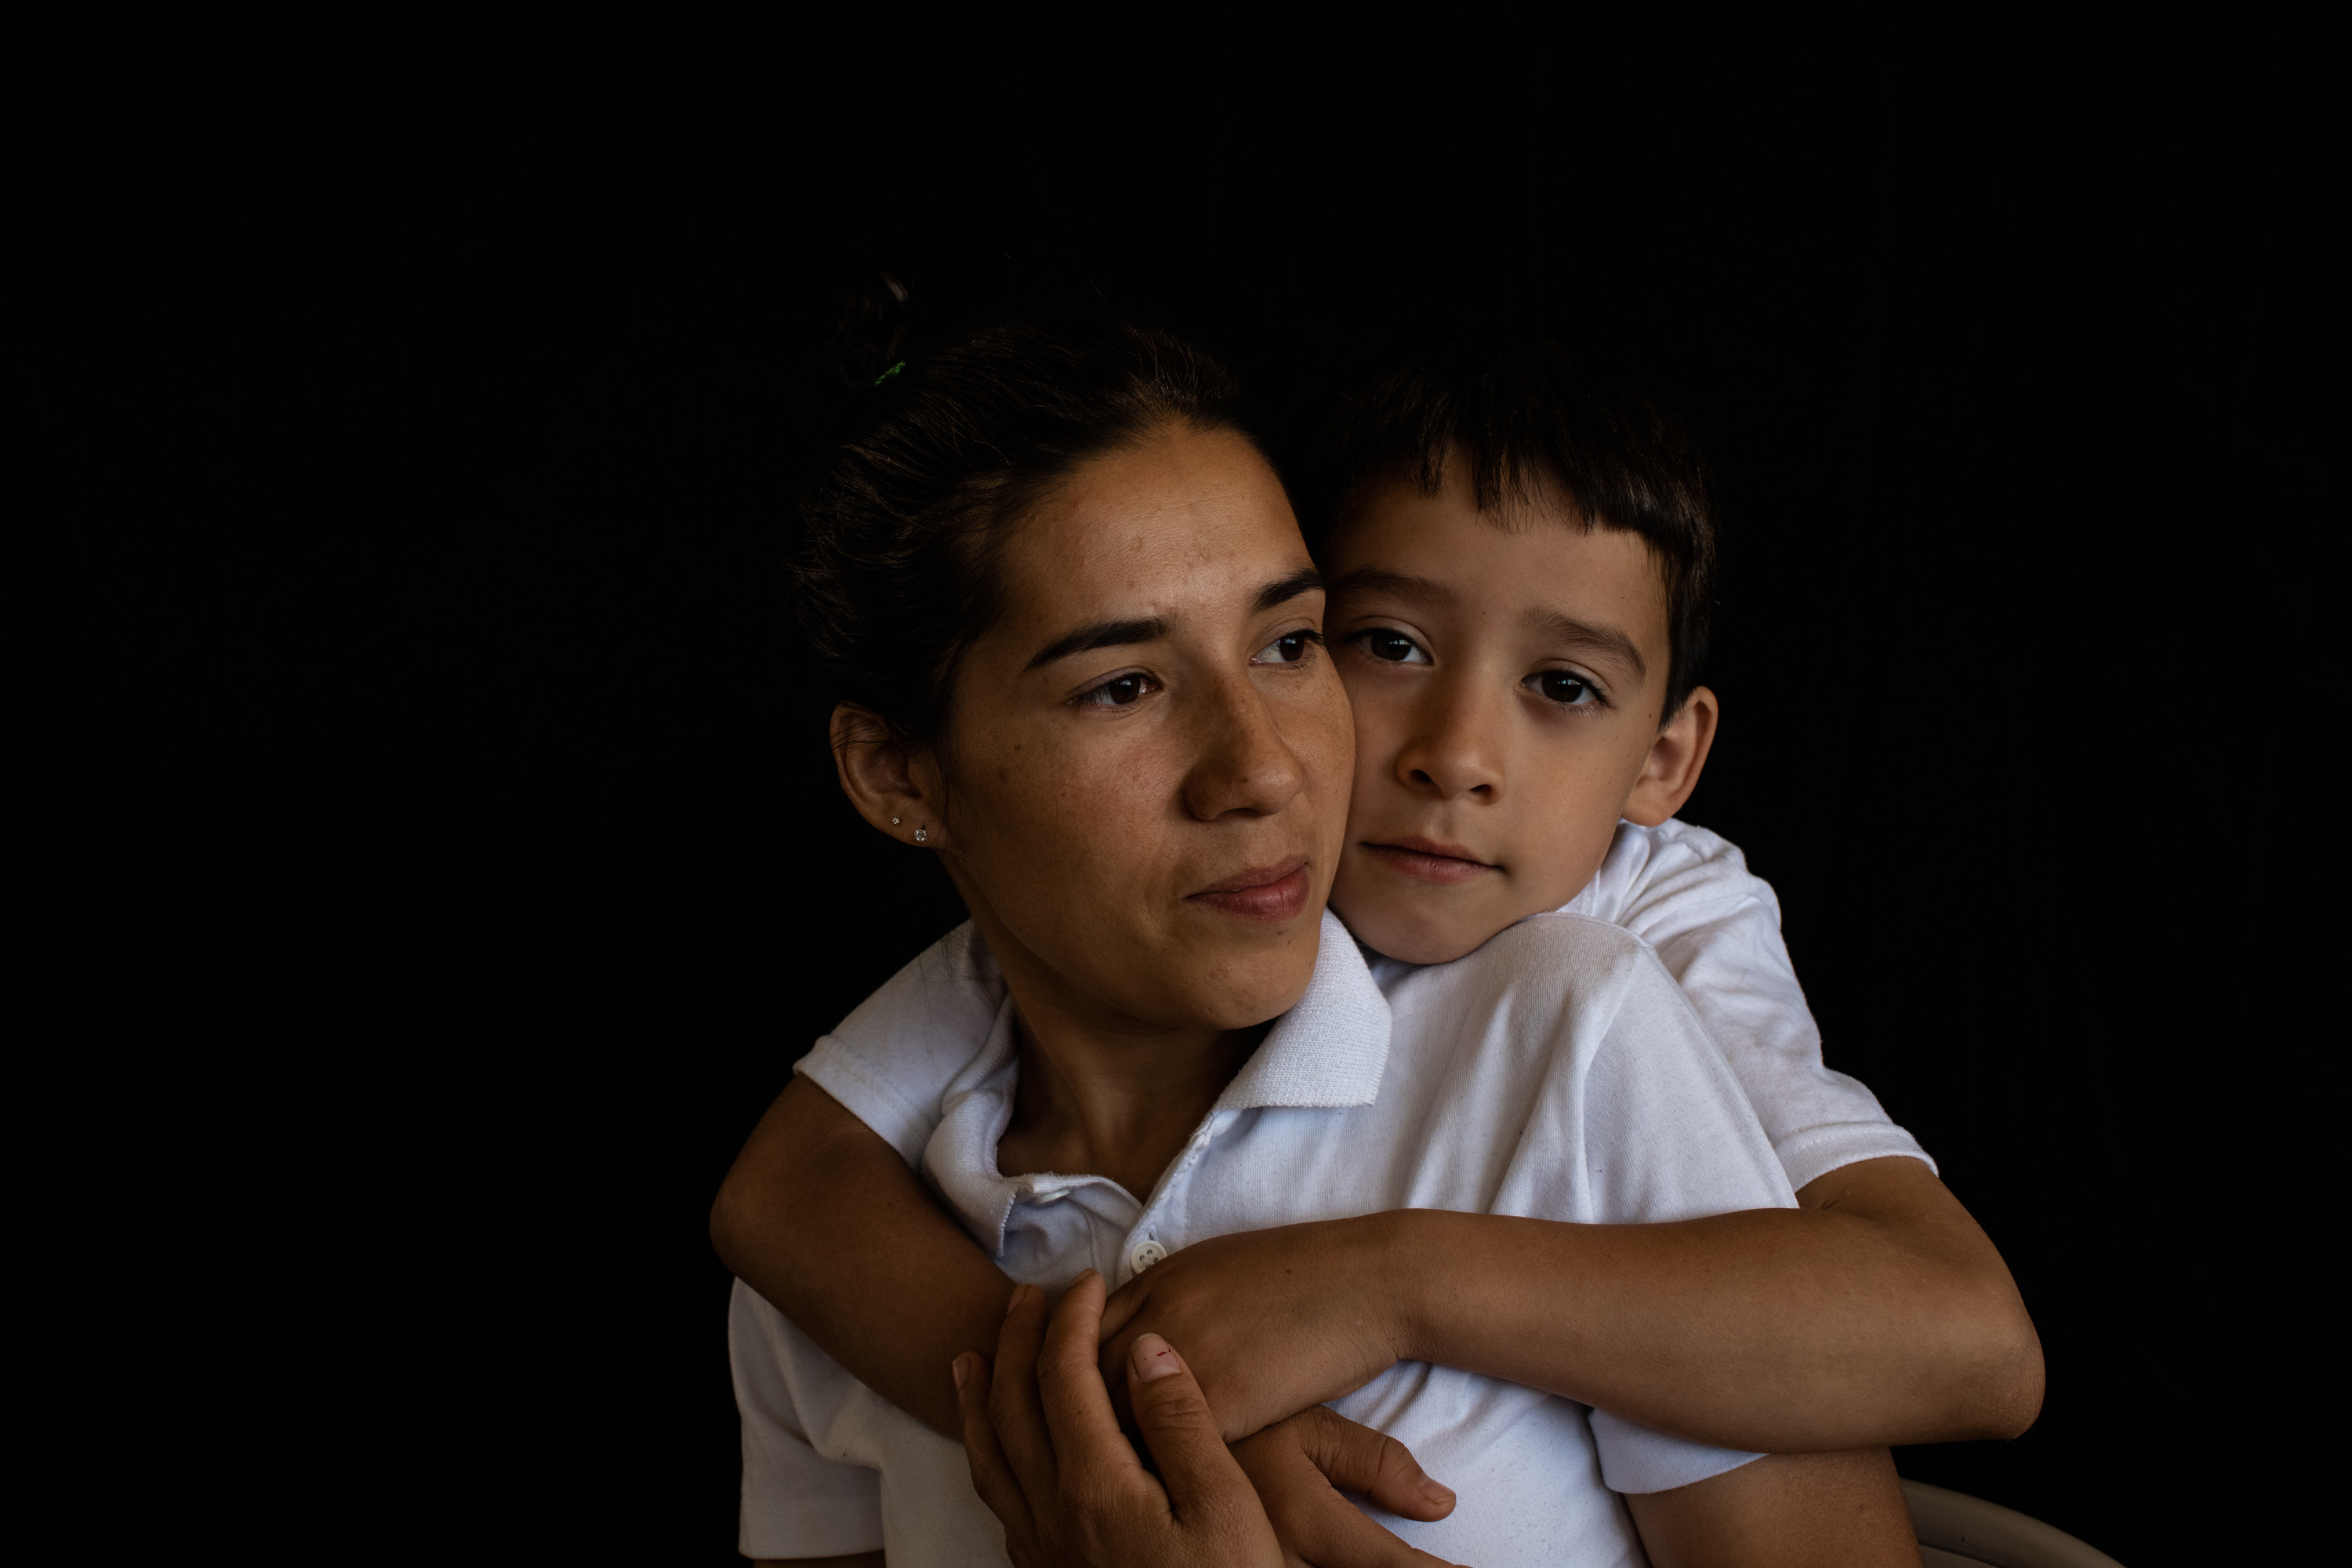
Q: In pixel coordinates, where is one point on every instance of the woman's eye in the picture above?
(1394, 648)
(1565, 687)
(1119, 692)
(1288, 649)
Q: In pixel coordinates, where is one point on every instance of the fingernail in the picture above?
(1439, 1496)
(1153, 1358)
(957, 1367)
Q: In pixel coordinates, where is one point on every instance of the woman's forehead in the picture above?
(1188, 523)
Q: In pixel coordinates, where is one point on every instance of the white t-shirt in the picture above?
(1558, 1072)
(1683, 889)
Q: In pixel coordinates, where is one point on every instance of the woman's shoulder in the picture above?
(892, 1060)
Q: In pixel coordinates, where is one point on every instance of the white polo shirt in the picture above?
(1686, 891)
(1558, 1072)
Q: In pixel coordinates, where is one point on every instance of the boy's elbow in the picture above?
(732, 1220)
(2017, 1382)
(1998, 1382)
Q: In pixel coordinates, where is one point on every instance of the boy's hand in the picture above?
(1300, 1466)
(1273, 1322)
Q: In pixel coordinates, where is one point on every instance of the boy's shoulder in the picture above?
(1656, 880)
(1548, 980)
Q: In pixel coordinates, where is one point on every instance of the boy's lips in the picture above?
(1270, 893)
(1431, 859)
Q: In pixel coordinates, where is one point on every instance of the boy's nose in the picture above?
(1451, 755)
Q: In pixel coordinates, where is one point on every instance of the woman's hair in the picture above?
(893, 570)
(1522, 413)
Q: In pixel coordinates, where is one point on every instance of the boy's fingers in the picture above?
(991, 1475)
(1313, 1521)
(1357, 1459)
(1078, 1418)
(1200, 1472)
(1014, 1410)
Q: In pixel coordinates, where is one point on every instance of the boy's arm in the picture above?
(1877, 1313)
(1805, 1511)
(823, 1218)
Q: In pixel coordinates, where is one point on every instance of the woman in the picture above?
(1146, 856)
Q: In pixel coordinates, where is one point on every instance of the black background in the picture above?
(433, 866)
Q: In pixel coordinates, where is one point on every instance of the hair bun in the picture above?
(877, 331)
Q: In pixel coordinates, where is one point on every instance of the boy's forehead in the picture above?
(1536, 557)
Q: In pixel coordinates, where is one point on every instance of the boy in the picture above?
(1521, 563)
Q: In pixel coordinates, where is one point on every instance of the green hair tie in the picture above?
(891, 372)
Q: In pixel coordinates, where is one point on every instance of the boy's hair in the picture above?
(1530, 417)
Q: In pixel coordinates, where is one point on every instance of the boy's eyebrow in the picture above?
(1372, 580)
(1605, 641)
(1119, 634)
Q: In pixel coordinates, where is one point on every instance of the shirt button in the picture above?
(1145, 1256)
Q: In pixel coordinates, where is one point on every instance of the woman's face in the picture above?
(1147, 765)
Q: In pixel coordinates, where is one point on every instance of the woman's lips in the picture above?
(1270, 893)
(1430, 860)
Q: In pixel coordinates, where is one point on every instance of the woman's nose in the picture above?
(1243, 763)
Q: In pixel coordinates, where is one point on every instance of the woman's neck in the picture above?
(1102, 1092)
(1111, 1101)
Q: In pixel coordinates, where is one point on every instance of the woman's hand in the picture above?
(1274, 1320)
(1048, 1458)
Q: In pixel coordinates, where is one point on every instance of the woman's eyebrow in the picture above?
(1306, 580)
(1101, 634)
(1119, 634)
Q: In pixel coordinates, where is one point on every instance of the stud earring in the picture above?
(921, 835)
(894, 822)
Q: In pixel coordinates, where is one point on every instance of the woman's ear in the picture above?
(895, 787)
(1676, 757)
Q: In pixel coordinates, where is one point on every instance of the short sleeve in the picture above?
(1716, 927)
(1667, 1135)
(796, 1502)
(891, 1060)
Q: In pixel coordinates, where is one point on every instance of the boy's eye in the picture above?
(1394, 648)
(1289, 648)
(1120, 691)
(1564, 686)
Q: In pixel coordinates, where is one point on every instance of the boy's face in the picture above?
(1508, 682)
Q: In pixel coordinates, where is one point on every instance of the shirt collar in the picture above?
(1330, 1049)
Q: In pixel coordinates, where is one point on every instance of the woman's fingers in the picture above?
(1357, 1459)
(992, 1473)
(1077, 1405)
(1014, 1409)
(1198, 1470)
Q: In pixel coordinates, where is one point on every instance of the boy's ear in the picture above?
(1676, 756)
(895, 787)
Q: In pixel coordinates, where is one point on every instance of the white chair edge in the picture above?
(1975, 1530)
